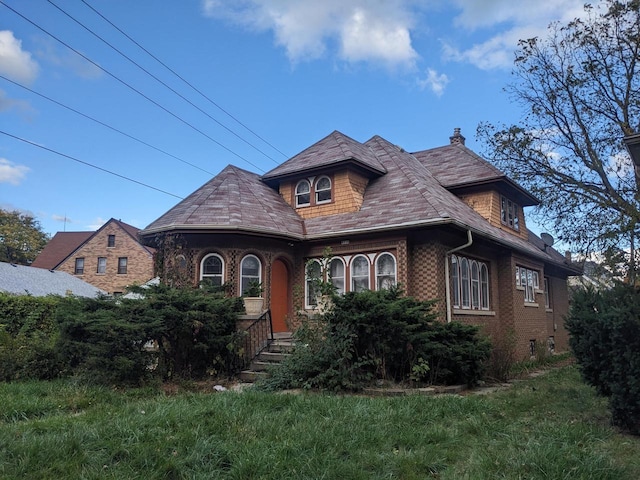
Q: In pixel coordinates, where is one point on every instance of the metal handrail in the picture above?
(257, 337)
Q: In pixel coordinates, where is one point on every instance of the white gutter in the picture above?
(447, 285)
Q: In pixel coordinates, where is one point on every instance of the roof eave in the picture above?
(316, 169)
(144, 234)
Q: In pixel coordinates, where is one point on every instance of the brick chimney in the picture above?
(457, 138)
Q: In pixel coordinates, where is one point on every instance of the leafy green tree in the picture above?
(579, 88)
(21, 237)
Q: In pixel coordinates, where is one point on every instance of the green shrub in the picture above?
(605, 338)
(380, 335)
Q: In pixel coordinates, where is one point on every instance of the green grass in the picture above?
(550, 427)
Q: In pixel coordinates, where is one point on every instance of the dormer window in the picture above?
(509, 213)
(323, 190)
(303, 193)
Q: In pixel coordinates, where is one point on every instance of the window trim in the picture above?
(251, 277)
(104, 271)
(299, 194)
(317, 191)
(378, 275)
(203, 275)
(343, 277)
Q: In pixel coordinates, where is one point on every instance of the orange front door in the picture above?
(279, 296)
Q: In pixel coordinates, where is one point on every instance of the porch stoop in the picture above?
(276, 352)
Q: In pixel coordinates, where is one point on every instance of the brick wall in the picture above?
(139, 260)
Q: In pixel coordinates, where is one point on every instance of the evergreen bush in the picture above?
(605, 338)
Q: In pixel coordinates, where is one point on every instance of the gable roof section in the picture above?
(235, 199)
(61, 245)
(335, 149)
(456, 166)
(40, 282)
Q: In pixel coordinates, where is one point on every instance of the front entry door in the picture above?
(279, 296)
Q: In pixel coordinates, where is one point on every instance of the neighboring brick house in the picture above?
(110, 258)
(443, 223)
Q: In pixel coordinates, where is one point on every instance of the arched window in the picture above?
(385, 271)
(250, 271)
(360, 274)
(475, 285)
(464, 283)
(303, 193)
(484, 287)
(336, 274)
(323, 190)
(211, 269)
(313, 277)
(455, 280)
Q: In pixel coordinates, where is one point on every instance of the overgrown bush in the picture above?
(380, 335)
(605, 338)
(28, 336)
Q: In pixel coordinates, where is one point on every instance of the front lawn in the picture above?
(549, 427)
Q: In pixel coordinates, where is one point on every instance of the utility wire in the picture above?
(104, 124)
(183, 79)
(159, 81)
(89, 164)
(131, 87)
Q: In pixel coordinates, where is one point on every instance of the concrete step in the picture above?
(249, 376)
(281, 346)
(272, 357)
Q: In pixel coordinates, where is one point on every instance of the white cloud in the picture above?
(505, 22)
(97, 223)
(365, 31)
(436, 82)
(16, 63)
(61, 219)
(12, 173)
(48, 52)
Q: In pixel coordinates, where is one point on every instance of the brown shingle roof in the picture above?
(60, 247)
(234, 199)
(334, 149)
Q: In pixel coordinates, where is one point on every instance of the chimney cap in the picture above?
(457, 138)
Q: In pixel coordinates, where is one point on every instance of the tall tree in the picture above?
(579, 88)
(21, 237)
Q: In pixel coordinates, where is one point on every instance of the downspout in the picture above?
(447, 283)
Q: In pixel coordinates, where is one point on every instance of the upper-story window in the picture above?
(303, 193)
(122, 265)
(509, 213)
(323, 190)
(250, 271)
(102, 265)
(111, 241)
(79, 267)
(212, 270)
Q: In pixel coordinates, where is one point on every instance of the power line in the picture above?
(159, 81)
(183, 79)
(131, 87)
(24, 140)
(104, 124)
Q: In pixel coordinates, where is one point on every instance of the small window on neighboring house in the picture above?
(122, 265)
(79, 269)
(313, 276)
(303, 193)
(464, 283)
(360, 274)
(212, 269)
(547, 295)
(455, 281)
(111, 241)
(323, 190)
(336, 274)
(509, 213)
(484, 287)
(250, 271)
(102, 265)
(385, 271)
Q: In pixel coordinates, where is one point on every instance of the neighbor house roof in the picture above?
(408, 195)
(60, 247)
(39, 282)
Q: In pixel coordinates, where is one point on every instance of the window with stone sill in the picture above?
(111, 241)
(469, 283)
(529, 281)
(102, 265)
(79, 266)
(122, 265)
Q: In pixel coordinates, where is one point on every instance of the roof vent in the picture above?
(457, 138)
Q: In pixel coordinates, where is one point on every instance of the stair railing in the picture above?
(257, 337)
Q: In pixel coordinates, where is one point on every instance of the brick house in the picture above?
(443, 223)
(110, 258)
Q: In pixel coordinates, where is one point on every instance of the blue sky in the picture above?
(287, 71)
